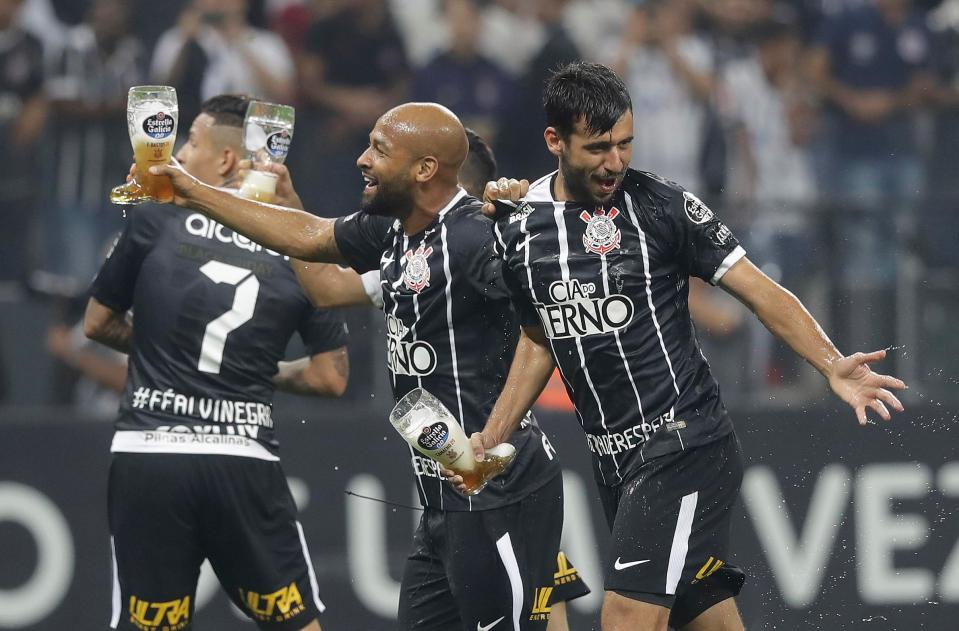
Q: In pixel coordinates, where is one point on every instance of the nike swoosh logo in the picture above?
(480, 627)
(619, 565)
(521, 246)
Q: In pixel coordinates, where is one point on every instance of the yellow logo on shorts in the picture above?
(565, 573)
(283, 604)
(706, 570)
(541, 608)
(171, 615)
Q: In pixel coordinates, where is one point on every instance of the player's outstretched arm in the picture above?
(285, 194)
(289, 231)
(784, 315)
(111, 328)
(322, 375)
(328, 286)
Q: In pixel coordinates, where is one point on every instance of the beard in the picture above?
(390, 200)
(577, 181)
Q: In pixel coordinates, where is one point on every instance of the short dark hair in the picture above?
(226, 109)
(479, 167)
(585, 91)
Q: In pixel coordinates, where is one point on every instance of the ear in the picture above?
(425, 168)
(229, 159)
(554, 142)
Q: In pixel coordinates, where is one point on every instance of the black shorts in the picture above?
(490, 569)
(168, 512)
(670, 530)
(567, 583)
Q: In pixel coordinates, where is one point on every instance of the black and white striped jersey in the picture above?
(214, 313)
(451, 330)
(609, 285)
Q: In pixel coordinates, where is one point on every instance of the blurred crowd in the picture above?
(825, 130)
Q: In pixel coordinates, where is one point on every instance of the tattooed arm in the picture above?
(323, 375)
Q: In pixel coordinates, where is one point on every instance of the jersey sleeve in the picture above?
(115, 283)
(522, 305)
(474, 244)
(322, 331)
(361, 239)
(706, 247)
(372, 287)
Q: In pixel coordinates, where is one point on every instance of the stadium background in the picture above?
(851, 202)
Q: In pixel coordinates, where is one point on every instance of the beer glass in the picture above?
(428, 427)
(267, 134)
(152, 119)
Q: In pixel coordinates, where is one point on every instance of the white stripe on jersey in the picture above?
(649, 290)
(449, 318)
(652, 307)
(677, 554)
(558, 210)
(622, 353)
(416, 320)
(449, 324)
(394, 292)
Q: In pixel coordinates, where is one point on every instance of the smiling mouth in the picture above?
(371, 182)
(607, 183)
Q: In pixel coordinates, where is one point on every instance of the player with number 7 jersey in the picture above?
(214, 313)
(195, 471)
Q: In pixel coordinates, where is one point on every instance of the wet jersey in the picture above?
(450, 329)
(609, 286)
(213, 313)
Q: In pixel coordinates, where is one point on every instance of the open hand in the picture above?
(855, 383)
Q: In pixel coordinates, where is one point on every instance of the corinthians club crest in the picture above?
(416, 275)
(601, 234)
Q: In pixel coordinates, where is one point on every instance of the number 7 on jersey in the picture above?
(244, 302)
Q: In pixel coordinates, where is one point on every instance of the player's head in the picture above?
(589, 118)
(480, 165)
(414, 148)
(215, 145)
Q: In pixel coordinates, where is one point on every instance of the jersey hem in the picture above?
(145, 442)
(512, 499)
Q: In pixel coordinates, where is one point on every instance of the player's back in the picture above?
(213, 314)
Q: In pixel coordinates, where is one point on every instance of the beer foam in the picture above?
(255, 138)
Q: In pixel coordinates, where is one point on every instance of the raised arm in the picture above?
(328, 286)
(784, 315)
(290, 231)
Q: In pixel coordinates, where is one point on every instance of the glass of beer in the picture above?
(267, 134)
(152, 116)
(428, 427)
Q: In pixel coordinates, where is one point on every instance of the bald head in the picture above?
(427, 129)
